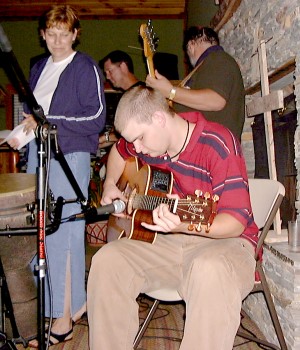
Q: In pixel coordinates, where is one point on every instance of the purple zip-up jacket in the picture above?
(78, 106)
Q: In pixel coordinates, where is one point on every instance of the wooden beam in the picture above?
(265, 89)
(95, 9)
(276, 75)
(263, 104)
(225, 12)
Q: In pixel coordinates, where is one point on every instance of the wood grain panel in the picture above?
(96, 9)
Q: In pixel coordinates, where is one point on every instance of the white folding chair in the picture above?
(266, 196)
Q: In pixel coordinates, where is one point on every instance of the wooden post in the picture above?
(266, 104)
(267, 114)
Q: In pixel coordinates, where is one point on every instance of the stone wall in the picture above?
(277, 22)
(282, 269)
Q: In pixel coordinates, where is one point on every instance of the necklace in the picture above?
(186, 137)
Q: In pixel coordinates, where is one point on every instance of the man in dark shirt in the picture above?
(215, 85)
(118, 69)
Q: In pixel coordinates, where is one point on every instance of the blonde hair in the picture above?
(60, 15)
(140, 103)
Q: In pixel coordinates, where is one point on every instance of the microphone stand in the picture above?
(43, 131)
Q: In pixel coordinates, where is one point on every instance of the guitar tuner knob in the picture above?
(193, 217)
(198, 193)
(191, 227)
(199, 227)
(206, 195)
(188, 198)
(215, 197)
(184, 217)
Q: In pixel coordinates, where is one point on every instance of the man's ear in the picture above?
(159, 118)
(123, 66)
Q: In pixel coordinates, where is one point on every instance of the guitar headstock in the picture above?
(199, 209)
(149, 39)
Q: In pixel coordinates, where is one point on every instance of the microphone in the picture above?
(4, 42)
(117, 206)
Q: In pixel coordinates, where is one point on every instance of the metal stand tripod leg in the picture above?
(6, 310)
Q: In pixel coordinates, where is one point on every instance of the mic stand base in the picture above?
(6, 310)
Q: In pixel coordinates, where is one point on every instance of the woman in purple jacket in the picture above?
(68, 85)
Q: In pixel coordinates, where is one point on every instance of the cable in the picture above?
(144, 303)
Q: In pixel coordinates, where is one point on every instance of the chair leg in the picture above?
(273, 314)
(271, 307)
(257, 340)
(145, 324)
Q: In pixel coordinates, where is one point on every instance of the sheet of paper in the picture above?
(19, 134)
(4, 134)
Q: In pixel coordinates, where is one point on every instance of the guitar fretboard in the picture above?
(151, 202)
(199, 208)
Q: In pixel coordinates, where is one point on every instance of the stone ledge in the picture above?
(282, 251)
(273, 236)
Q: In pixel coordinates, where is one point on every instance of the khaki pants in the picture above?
(212, 276)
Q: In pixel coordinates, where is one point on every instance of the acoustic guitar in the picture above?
(150, 44)
(145, 188)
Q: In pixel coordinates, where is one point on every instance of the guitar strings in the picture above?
(146, 202)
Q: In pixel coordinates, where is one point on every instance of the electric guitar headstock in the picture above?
(150, 43)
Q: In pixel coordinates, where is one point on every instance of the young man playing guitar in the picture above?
(211, 266)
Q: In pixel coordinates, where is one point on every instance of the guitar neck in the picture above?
(150, 66)
(145, 202)
(187, 209)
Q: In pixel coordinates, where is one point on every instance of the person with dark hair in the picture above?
(211, 265)
(118, 69)
(214, 86)
(68, 84)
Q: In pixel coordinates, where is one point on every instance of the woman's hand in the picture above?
(29, 123)
(14, 143)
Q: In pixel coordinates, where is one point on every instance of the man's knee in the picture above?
(105, 256)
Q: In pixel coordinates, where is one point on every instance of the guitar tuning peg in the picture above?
(199, 227)
(206, 195)
(198, 193)
(215, 197)
(191, 227)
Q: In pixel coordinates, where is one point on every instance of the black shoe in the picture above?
(60, 338)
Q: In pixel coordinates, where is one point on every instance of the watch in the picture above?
(106, 134)
(172, 94)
